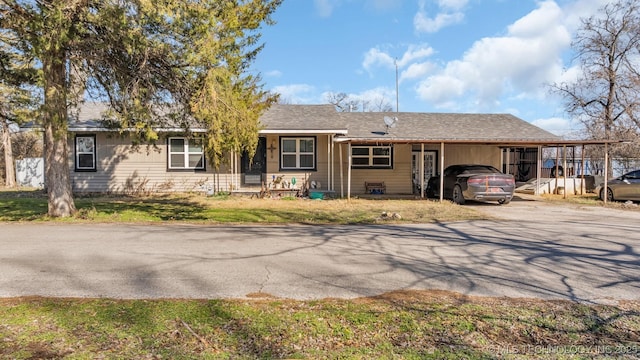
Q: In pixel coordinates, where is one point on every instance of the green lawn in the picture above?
(401, 325)
(32, 206)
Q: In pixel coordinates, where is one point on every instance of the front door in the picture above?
(254, 171)
(430, 168)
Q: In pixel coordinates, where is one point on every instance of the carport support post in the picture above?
(564, 172)
(441, 171)
(349, 174)
(606, 172)
(330, 163)
(340, 148)
(538, 170)
(583, 186)
(422, 170)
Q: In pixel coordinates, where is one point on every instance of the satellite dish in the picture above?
(390, 122)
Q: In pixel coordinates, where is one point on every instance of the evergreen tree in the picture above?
(156, 61)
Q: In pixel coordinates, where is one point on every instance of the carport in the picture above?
(503, 144)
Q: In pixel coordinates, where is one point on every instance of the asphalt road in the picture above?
(532, 249)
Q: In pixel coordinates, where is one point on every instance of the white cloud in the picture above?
(417, 71)
(575, 10)
(523, 61)
(296, 93)
(415, 52)
(376, 57)
(423, 23)
(557, 126)
(379, 58)
(449, 14)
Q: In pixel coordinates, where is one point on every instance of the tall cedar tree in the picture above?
(158, 62)
(16, 100)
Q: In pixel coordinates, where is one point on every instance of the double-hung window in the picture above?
(297, 153)
(186, 153)
(379, 157)
(85, 152)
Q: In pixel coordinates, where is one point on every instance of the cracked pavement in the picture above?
(531, 249)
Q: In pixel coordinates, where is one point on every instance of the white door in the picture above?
(430, 168)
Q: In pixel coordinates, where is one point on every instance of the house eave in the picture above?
(305, 131)
(497, 142)
(160, 130)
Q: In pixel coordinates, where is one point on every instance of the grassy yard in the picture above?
(224, 209)
(398, 325)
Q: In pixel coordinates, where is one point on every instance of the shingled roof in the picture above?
(444, 127)
(303, 118)
(370, 127)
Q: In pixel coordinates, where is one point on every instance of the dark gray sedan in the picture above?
(625, 187)
(473, 182)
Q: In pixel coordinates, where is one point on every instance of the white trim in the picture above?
(185, 154)
(93, 152)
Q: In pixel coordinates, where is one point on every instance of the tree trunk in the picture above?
(9, 172)
(55, 136)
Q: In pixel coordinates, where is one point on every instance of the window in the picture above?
(186, 153)
(378, 157)
(85, 148)
(297, 153)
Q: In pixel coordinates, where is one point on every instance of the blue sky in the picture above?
(487, 56)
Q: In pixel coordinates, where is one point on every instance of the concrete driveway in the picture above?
(532, 249)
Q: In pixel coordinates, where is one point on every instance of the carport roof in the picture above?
(444, 127)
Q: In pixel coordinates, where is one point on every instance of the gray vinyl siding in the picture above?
(303, 177)
(472, 154)
(124, 168)
(398, 179)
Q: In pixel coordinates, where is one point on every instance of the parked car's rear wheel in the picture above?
(504, 201)
(609, 194)
(458, 198)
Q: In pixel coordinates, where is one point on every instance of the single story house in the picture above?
(307, 146)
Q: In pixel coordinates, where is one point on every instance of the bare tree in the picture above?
(350, 103)
(605, 97)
